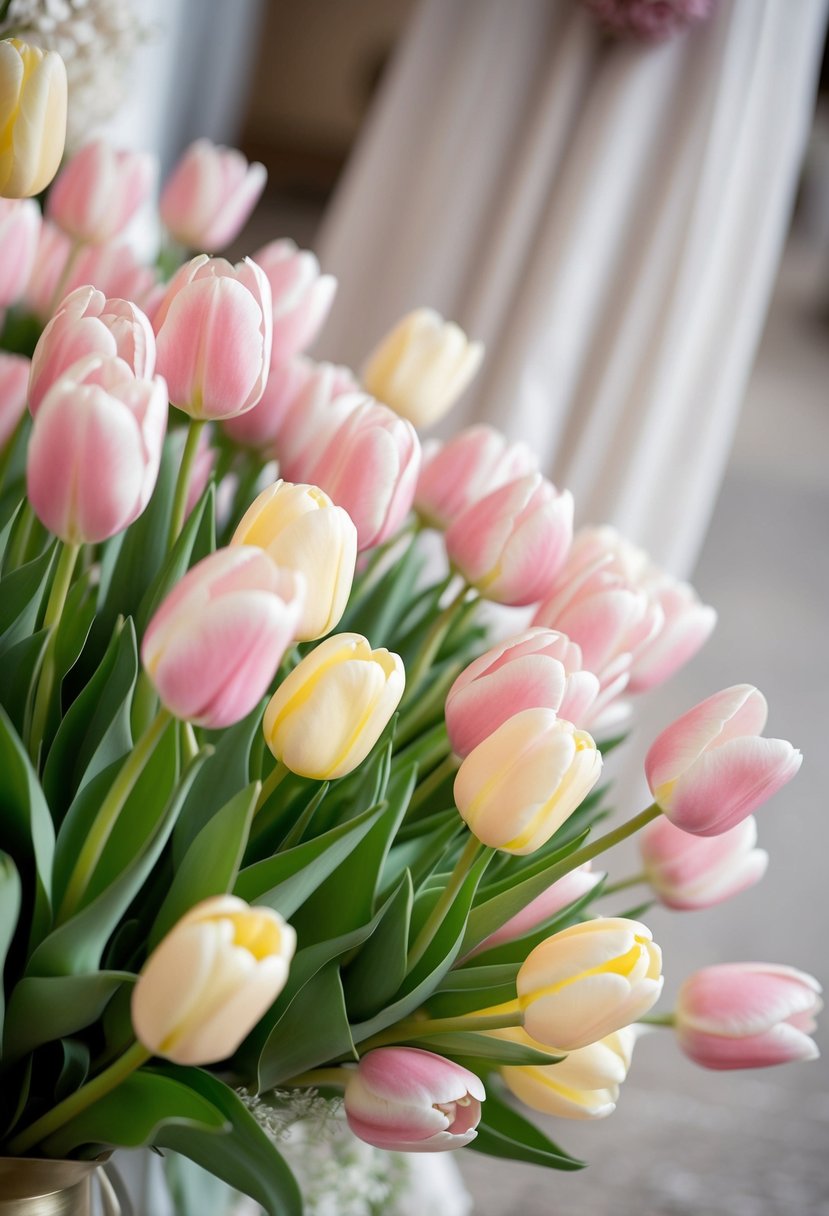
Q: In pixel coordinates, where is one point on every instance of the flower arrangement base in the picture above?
(33, 1187)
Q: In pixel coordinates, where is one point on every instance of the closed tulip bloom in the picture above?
(368, 462)
(214, 645)
(584, 1085)
(208, 197)
(518, 786)
(302, 297)
(406, 1100)
(311, 417)
(326, 716)
(14, 385)
(538, 668)
(32, 117)
(512, 543)
(213, 331)
(95, 449)
(19, 234)
(710, 769)
(113, 269)
(301, 529)
(53, 249)
(210, 980)
(686, 626)
(688, 872)
(98, 192)
(258, 428)
(421, 368)
(558, 896)
(589, 980)
(466, 468)
(747, 1015)
(87, 323)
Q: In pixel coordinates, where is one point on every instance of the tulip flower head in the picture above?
(302, 529)
(214, 645)
(558, 896)
(258, 428)
(14, 385)
(589, 980)
(584, 1085)
(99, 190)
(210, 980)
(322, 402)
(518, 786)
(467, 467)
(711, 768)
(688, 872)
(406, 1100)
(19, 235)
(326, 716)
(32, 117)
(302, 297)
(208, 197)
(747, 1015)
(421, 368)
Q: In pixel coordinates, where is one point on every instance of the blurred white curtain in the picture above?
(607, 216)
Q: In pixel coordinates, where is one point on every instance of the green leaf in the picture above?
(9, 912)
(314, 1028)
(22, 598)
(42, 1008)
(499, 1052)
(196, 540)
(26, 830)
(467, 989)
(74, 1069)
(96, 730)
(502, 1132)
(420, 852)
(210, 865)
(379, 969)
(19, 669)
(247, 1159)
(194, 1191)
(375, 612)
(285, 881)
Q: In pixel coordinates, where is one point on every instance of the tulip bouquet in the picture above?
(277, 813)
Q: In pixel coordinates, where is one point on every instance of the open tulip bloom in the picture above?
(279, 812)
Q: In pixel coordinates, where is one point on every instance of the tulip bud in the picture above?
(32, 117)
(95, 449)
(258, 428)
(512, 543)
(421, 368)
(588, 980)
(710, 769)
(584, 1085)
(321, 404)
(687, 625)
(208, 197)
(302, 297)
(326, 716)
(368, 464)
(14, 385)
(301, 529)
(210, 980)
(87, 323)
(98, 192)
(538, 668)
(213, 331)
(747, 1015)
(112, 269)
(19, 233)
(520, 784)
(214, 645)
(406, 1100)
(464, 469)
(689, 872)
(558, 896)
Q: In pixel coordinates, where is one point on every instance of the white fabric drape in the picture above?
(607, 216)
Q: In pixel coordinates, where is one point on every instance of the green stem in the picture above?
(48, 672)
(659, 1019)
(8, 450)
(278, 775)
(189, 743)
(432, 644)
(589, 851)
(469, 855)
(185, 469)
(23, 534)
(317, 1076)
(634, 881)
(424, 1028)
(108, 813)
(107, 1080)
(433, 782)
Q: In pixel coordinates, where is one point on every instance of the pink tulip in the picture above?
(689, 872)
(302, 297)
(463, 470)
(53, 248)
(406, 1100)
(214, 645)
(258, 428)
(87, 323)
(536, 668)
(687, 625)
(213, 332)
(311, 414)
(512, 543)
(113, 269)
(97, 193)
(95, 449)
(14, 385)
(208, 197)
(19, 234)
(368, 464)
(747, 1015)
(549, 903)
(710, 769)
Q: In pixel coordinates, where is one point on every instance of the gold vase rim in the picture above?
(30, 1177)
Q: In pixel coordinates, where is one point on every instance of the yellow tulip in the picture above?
(33, 99)
(584, 1085)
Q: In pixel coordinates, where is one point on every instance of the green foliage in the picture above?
(502, 1132)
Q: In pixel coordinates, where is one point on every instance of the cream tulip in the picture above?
(301, 529)
(584, 1085)
(211, 979)
(33, 96)
(326, 716)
